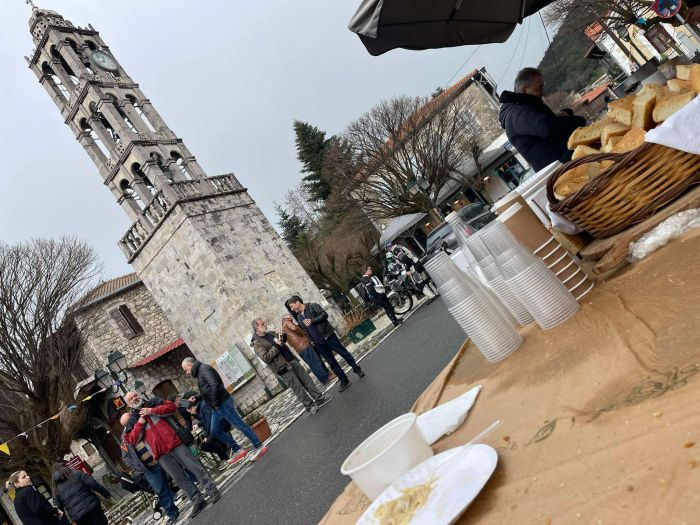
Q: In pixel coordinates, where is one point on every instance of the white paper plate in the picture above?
(459, 473)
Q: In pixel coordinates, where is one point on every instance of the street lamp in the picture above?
(116, 375)
(104, 380)
(116, 362)
(140, 387)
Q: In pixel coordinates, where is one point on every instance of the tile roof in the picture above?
(591, 95)
(108, 288)
(160, 353)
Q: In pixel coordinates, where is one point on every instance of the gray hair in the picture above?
(525, 77)
(188, 361)
(255, 323)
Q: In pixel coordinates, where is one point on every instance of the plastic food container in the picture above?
(385, 455)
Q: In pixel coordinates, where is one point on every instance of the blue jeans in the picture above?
(159, 483)
(312, 359)
(228, 412)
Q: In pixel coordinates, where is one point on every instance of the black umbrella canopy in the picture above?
(383, 25)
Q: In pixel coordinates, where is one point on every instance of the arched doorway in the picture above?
(164, 389)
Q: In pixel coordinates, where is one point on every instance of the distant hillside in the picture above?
(570, 71)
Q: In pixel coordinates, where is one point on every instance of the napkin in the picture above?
(446, 418)
(680, 130)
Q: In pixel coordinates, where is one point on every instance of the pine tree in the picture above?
(311, 143)
(293, 227)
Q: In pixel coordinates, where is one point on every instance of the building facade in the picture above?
(208, 256)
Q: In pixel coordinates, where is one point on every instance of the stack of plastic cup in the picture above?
(488, 327)
(528, 277)
(489, 268)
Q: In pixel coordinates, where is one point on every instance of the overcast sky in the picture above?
(228, 77)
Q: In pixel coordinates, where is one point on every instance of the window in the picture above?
(180, 164)
(85, 126)
(53, 79)
(126, 322)
(89, 449)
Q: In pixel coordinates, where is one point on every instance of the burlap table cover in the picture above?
(600, 415)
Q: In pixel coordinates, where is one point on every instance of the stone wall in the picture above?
(102, 335)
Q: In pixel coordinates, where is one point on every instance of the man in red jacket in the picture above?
(151, 423)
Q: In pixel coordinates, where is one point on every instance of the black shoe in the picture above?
(360, 373)
(197, 508)
(322, 401)
(343, 385)
(214, 496)
(398, 322)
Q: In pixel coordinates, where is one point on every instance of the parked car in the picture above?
(475, 215)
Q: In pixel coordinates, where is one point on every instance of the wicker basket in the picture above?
(631, 190)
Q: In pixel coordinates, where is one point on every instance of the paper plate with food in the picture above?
(435, 492)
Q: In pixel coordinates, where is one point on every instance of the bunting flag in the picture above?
(5, 448)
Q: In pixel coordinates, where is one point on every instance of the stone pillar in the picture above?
(130, 206)
(156, 121)
(104, 135)
(62, 74)
(92, 149)
(134, 117)
(111, 113)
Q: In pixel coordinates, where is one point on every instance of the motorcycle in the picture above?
(403, 287)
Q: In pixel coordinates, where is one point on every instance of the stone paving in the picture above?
(280, 412)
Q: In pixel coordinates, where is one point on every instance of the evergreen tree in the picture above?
(293, 227)
(311, 143)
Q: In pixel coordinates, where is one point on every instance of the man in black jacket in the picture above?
(314, 319)
(372, 290)
(535, 131)
(214, 394)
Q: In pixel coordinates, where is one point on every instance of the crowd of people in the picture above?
(158, 433)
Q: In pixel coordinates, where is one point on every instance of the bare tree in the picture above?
(480, 128)
(40, 347)
(398, 141)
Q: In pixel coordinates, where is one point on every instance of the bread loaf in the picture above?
(629, 141)
(574, 179)
(695, 78)
(587, 135)
(667, 106)
(643, 110)
(676, 85)
(621, 109)
(582, 151)
(683, 71)
(611, 143)
(613, 130)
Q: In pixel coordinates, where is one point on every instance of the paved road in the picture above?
(300, 477)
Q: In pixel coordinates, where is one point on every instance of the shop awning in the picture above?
(399, 225)
(160, 353)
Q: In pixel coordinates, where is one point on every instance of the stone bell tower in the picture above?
(204, 250)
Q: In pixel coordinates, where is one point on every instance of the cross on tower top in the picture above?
(29, 2)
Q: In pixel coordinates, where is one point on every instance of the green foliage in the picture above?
(437, 92)
(293, 227)
(311, 143)
(563, 66)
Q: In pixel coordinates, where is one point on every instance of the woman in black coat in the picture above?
(31, 507)
(73, 492)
